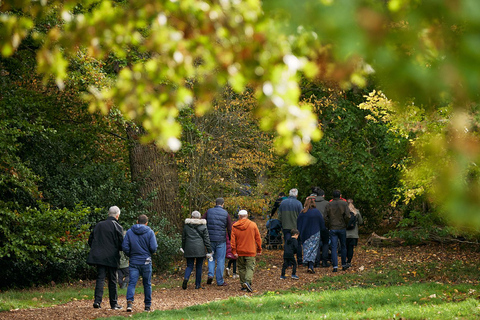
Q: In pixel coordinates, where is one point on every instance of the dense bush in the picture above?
(42, 244)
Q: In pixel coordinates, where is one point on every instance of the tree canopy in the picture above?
(178, 54)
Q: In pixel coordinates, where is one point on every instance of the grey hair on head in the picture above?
(113, 211)
(293, 193)
(196, 215)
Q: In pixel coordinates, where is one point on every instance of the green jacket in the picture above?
(288, 212)
(195, 238)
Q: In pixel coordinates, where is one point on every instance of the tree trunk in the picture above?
(155, 171)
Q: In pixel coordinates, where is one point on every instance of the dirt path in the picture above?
(266, 278)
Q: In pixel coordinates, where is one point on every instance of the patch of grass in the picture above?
(415, 301)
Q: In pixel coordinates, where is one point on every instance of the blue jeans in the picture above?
(219, 252)
(137, 270)
(341, 235)
(198, 270)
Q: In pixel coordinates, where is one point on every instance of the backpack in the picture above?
(352, 222)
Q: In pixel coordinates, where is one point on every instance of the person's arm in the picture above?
(184, 238)
(258, 240)
(91, 237)
(206, 241)
(359, 218)
(126, 245)
(153, 242)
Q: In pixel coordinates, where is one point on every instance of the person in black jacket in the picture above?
(194, 241)
(289, 251)
(105, 242)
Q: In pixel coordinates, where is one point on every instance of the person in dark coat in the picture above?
(310, 225)
(337, 215)
(219, 225)
(194, 241)
(322, 254)
(289, 252)
(105, 243)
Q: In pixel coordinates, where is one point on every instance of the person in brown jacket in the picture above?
(246, 244)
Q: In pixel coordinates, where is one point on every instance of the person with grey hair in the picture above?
(288, 212)
(219, 225)
(195, 245)
(105, 243)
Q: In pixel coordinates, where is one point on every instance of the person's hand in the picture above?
(236, 256)
(209, 255)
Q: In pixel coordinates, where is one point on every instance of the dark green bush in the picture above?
(42, 244)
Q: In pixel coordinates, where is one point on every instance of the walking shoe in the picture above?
(209, 280)
(116, 307)
(235, 276)
(129, 306)
(335, 270)
(244, 289)
(199, 287)
(345, 268)
(282, 277)
(184, 284)
(295, 277)
(147, 308)
(97, 305)
(248, 287)
(310, 270)
(222, 285)
(325, 264)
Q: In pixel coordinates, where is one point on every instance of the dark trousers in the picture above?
(287, 235)
(123, 277)
(351, 244)
(234, 262)
(287, 262)
(198, 270)
(322, 253)
(111, 274)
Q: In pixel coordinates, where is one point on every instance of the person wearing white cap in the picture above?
(246, 244)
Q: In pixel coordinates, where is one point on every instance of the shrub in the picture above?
(39, 245)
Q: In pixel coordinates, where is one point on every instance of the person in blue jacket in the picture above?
(139, 244)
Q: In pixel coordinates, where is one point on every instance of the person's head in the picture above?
(293, 193)
(142, 219)
(318, 191)
(281, 194)
(219, 202)
(350, 205)
(242, 214)
(309, 203)
(196, 215)
(294, 233)
(114, 212)
(336, 194)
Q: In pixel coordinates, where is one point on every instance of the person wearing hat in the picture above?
(246, 244)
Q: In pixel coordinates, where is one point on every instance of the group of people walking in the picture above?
(215, 236)
(316, 226)
(309, 231)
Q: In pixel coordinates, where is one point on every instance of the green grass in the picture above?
(415, 301)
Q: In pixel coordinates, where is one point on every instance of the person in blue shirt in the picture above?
(139, 244)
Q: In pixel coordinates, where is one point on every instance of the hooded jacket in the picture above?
(105, 242)
(195, 238)
(139, 244)
(246, 241)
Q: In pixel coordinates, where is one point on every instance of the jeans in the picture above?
(102, 272)
(198, 270)
(341, 235)
(219, 252)
(137, 270)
